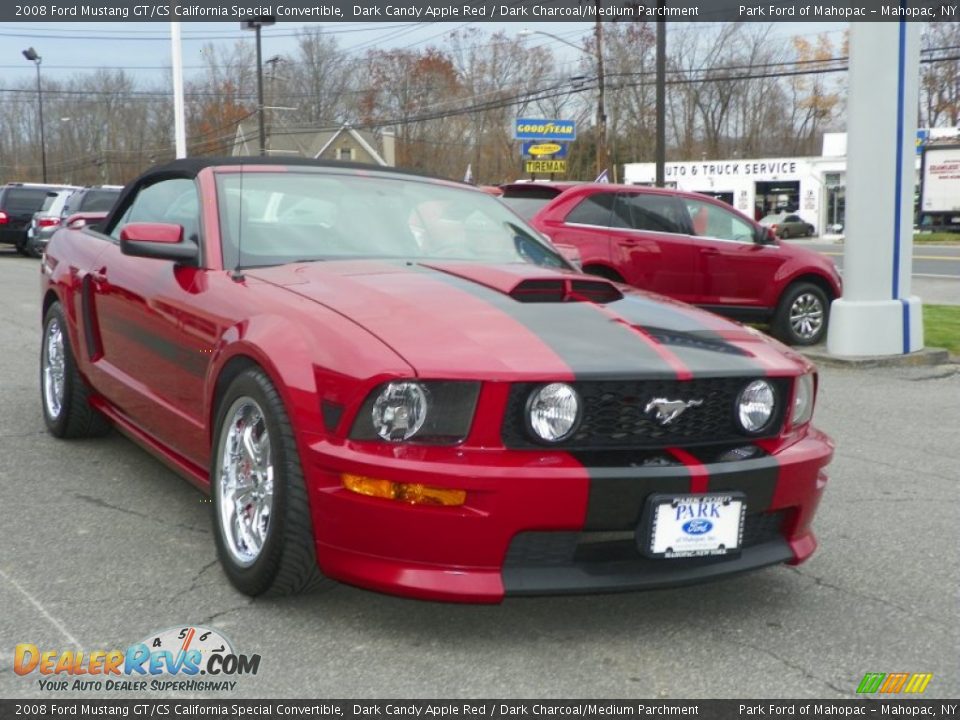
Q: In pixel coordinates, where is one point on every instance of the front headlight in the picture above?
(434, 412)
(399, 411)
(553, 412)
(802, 400)
(756, 405)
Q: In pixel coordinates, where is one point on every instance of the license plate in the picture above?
(680, 526)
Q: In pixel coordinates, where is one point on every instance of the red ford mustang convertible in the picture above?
(393, 381)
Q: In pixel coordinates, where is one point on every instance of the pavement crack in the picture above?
(195, 581)
(804, 672)
(820, 582)
(100, 502)
(221, 613)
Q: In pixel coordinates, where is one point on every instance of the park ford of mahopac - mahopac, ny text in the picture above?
(831, 11)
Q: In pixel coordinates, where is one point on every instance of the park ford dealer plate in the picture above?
(680, 526)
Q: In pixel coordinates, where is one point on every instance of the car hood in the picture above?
(457, 319)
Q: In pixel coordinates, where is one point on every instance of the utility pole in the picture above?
(601, 112)
(661, 82)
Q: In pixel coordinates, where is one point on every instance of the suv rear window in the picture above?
(24, 200)
(528, 201)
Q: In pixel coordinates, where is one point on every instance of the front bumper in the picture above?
(547, 522)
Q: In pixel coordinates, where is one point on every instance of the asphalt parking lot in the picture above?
(101, 545)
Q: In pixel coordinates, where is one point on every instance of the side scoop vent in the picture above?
(555, 290)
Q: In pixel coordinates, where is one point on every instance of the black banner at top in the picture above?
(189, 709)
(330, 11)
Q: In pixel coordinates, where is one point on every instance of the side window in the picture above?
(709, 220)
(169, 201)
(593, 210)
(792, 219)
(655, 213)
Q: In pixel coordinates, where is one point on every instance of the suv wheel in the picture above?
(801, 317)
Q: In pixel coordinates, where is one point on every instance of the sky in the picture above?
(144, 48)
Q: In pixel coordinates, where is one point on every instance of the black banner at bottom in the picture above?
(185, 709)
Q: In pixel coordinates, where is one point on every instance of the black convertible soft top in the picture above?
(191, 167)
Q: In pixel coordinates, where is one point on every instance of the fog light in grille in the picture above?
(554, 412)
(413, 493)
(755, 406)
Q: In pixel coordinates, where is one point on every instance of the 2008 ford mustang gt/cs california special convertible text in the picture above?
(392, 381)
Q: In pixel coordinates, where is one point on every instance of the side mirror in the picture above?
(571, 254)
(84, 219)
(766, 235)
(160, 241)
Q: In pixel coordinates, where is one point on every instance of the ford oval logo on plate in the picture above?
(698, 526)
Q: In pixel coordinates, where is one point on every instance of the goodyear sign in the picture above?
(534, 129)
(541, 167)
(544, 150)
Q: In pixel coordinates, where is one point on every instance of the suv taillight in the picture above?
(3, 218)
(48, 222)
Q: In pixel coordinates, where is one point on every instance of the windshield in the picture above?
(772, 219)
(269, 218)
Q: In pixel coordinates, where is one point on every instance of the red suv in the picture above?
(687, 246)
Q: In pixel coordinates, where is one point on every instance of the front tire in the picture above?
(802, 315)
(261, 516)
(64, 394)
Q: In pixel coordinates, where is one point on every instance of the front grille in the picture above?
(614, 417)
(557, 549)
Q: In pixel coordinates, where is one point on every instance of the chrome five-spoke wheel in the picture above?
(53, 368)
(245, 481)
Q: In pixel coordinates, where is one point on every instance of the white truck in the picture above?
(940, 188)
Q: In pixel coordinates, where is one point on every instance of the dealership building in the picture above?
(812, 187)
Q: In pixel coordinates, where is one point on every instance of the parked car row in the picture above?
(31, 212)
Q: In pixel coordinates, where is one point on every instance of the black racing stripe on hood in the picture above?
(592, 346)
(703, 351)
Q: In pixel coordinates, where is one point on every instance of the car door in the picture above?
(156, 342)
(585, 224)
(735, 269)
(650, 240)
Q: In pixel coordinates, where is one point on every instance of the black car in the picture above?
(18, 203)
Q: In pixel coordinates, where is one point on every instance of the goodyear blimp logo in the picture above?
(185, 659)
(537, 129)
(544, 150)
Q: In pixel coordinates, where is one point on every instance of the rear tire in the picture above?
(261, 515)
(802, 315)
(64, 394)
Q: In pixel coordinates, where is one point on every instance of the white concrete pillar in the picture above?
(877, 315)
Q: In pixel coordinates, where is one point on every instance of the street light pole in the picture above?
(31, 55)
(256, 24)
